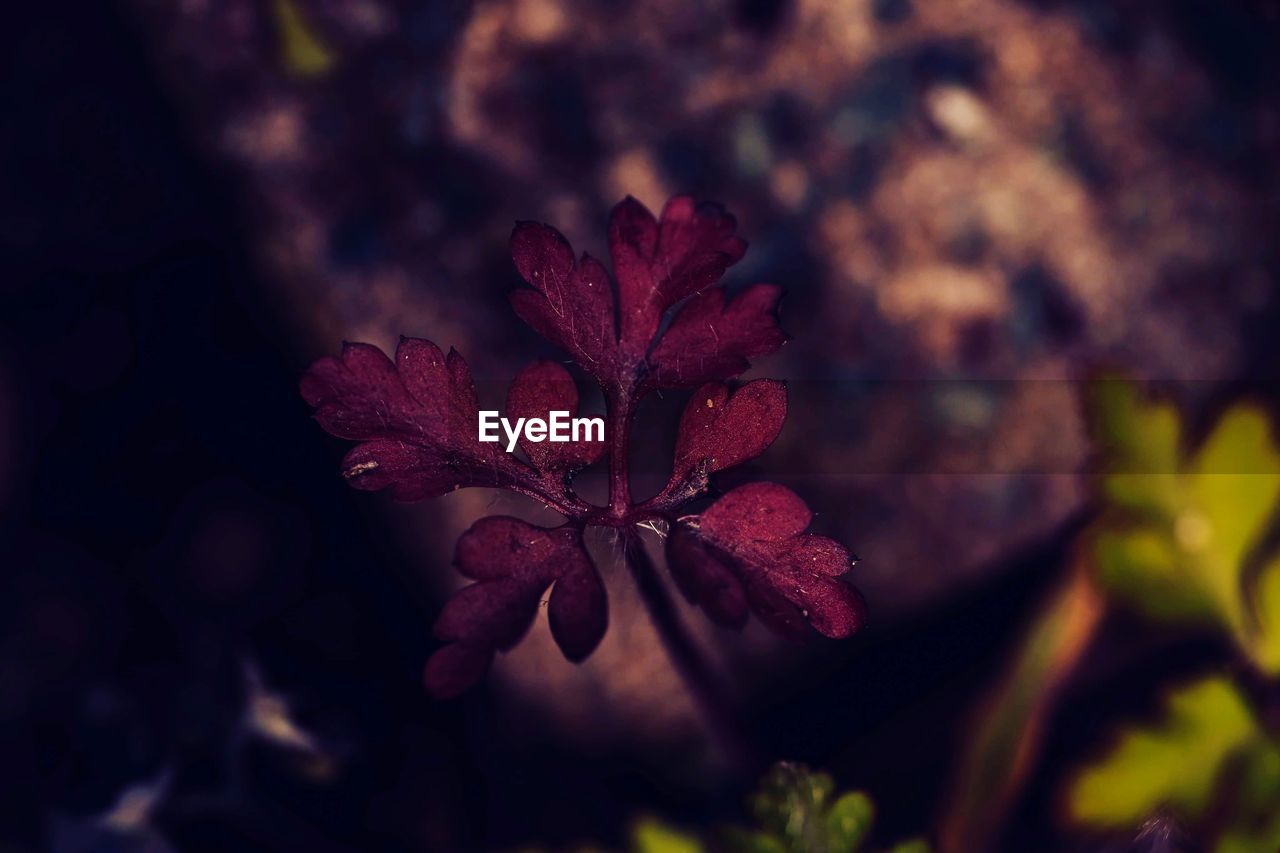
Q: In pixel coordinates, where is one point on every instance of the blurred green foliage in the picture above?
(1207, 761)
(1182, 536)
(794, 810)
(1179, 528)
(1178, 538)
(649, 835)
(1171, 764)
(798, 810)
(302, 53)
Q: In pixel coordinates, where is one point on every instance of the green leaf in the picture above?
(795, 812)
(1235, 480)
(1267, 598)
(1139, 441)
(301, 50)
(914, 845)
(649, 835)
(848, 821)
(1176, 534)
(1142, 565)
(1178, 539)
(1174, 765)
(1232, 485)
(790, 801)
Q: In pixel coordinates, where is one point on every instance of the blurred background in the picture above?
(208, 642)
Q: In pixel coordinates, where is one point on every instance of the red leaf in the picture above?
(417, 418)
(763, 511)
(749, 550)
(658, 262)
(513, 563)
(713, 337)
(719, 430)
(538, 390)
(571, 304)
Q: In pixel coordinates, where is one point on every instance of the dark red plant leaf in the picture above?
(571, 304)
(513, 563)
(417, 418)
(720, 429)
(749, 551)
(658, 262)
(714, 337)
(538, 390)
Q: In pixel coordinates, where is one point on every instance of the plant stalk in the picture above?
(619, 403)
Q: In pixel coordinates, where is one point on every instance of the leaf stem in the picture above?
(572, 509)
(620, 403)
(703, 684)
(519, 478)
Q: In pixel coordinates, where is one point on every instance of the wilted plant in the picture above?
(663, 321)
